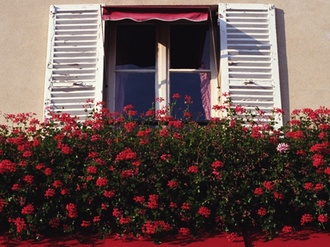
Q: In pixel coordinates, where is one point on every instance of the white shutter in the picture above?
(249, 62)
(74, 71)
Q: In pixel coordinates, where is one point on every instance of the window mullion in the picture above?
(161, 82)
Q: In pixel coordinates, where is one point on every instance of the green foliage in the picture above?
(113, 173)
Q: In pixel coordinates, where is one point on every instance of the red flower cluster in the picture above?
(100, 182)
(268, 185)
(144, 133)
(323, 218)
(185, 206)
(49, 193)
(165, 157)
(139, 199)
(91, 169)
(163, 132)
(262, 211)
(127, 173)
(151, 227)
(116, 213)
(28, 179)
(54, 223)
(126, 154)
(321, 203)
(258, 191)
(172, 184)
(310, 186)
(66, 149)
(306, 218)
(124, 220)
(204, 211)
(318, 160)
(109, 193)
(28, 209)
(278, 195)
(153, 201)
(57, 183)
(85, 223)
(7, 166)
(19, 224)
(2, 204)
(217, 164)
(72, 210)
(48, 171)
(184, 231)
(16, 187)
(287, 229)
(177, 124)
(176, 96)
(192, 169)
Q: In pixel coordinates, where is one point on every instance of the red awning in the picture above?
(141, 14)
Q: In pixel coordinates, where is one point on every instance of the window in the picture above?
(128, 62)
(156, 60)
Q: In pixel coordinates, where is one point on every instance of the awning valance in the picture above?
(168, 14)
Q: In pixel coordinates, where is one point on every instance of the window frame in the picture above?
(162, 68)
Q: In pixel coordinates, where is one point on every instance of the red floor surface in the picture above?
(300, 239)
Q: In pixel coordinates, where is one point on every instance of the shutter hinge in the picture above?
(53, 11)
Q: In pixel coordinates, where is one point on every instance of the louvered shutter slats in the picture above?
(249, 65)
(75, 67)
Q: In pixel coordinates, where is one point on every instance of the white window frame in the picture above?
(162, 69)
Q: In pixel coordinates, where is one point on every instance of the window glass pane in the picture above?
(136, 46)
(137, 89)
(195, 85)
(189, 47)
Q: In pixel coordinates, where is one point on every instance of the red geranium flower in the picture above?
(262, 211)
(28, 209)
(185, 206)
(109, 193)
(101, 182)
(28, 179)
(192, 169)
(322, 218)
(16, 187)
(216, 164)
(85, 223)
(72, 210)
(268, 185)
(49, 193)
(204, 211)
(126, 154)
(287, 229)
(184, 231)
(116, 213)
(139, 199)
(306, 218)
(92, 169)
(258, 191)
(54, 223)
(48, 171)
(172, 184)
(176, 96)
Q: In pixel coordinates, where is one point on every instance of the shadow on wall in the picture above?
(283, 66)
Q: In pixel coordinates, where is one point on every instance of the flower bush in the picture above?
(123, 174)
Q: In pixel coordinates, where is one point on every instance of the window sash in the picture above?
(162, 69)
